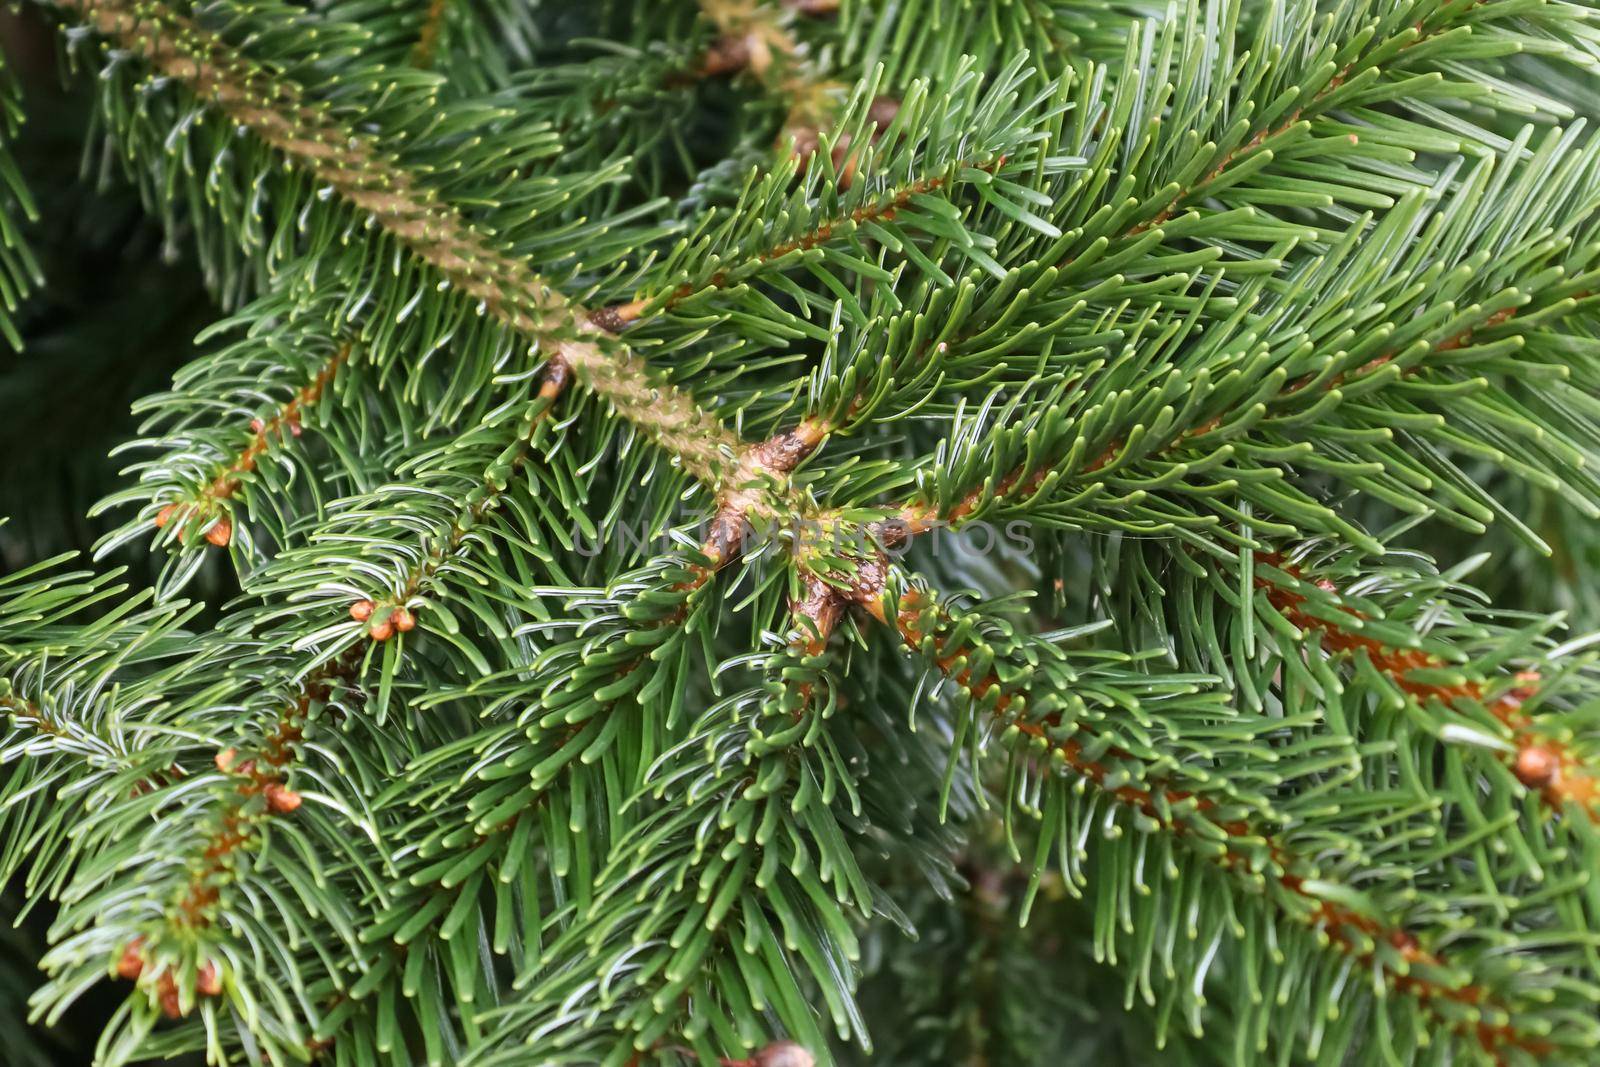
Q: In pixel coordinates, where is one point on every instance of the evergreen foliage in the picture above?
(773, 532)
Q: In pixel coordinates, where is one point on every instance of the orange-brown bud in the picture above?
(784, 1054)
(225, 759)
(1527, 686)
(220, 533)
(171, 1007)
(1405, 942)
(403, 620)
(381, 631)
(131, 964)
(1537, 768)
(281, 799)
(726, 56)
(362, 610)
(207, 981)
(164, 516)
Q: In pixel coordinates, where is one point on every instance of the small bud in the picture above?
(361, 610)
(1404, 942)
(381, 631)
(225, 759)
(257, 425)
(1537, 768)
(164, 516)
(608, 319)
(220, 533)
(281, 799)
(784, 1054)
(131, 964)
(403, 620)
(725, 56)
(171, 1007)
(207, 981)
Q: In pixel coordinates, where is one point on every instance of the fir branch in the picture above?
(357, 168)
(262, 790)
(383, 619)
(746, 896)
(1541, 763)
(19, 269)
(303, 388)
(1021, 485)
(1279, 413)
(66, 736)
(1393, 51)
(204, 513)
(352, 164)
(1374, 943)
(1156, 308)
(1380, 46)
(883, 208)
(510, 776)
(238, 825)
